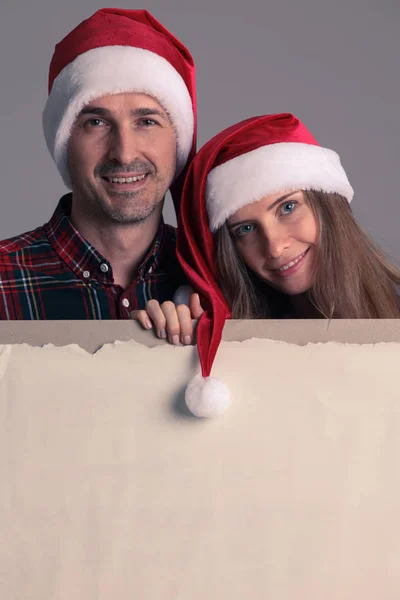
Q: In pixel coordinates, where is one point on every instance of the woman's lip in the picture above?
(293, 269)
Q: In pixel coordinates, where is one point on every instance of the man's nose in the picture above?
(124, 146)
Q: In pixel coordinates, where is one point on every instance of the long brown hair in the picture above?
(353, 279)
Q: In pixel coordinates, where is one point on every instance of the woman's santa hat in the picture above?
(243, 164)
(118, 51)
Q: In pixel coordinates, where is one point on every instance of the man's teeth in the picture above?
(125, 179)
(292, 263)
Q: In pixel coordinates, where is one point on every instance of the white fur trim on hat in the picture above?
(283, 167)
(115, 70)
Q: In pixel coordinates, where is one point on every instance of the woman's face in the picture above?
(276, 238)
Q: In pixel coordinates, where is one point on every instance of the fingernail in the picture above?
(148, 324)
(188, 339)
(163, 334)
(175, 339)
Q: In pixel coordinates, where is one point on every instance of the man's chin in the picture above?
(126, 218)
(128, 194)
(126, 215)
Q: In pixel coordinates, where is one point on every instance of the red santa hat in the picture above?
(243, 164)
(119, 51)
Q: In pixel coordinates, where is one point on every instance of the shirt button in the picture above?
(104, 268)
(86, 274)
(125, 302)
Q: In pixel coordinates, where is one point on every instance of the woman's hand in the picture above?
(170, 322)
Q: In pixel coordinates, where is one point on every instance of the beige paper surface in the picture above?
(110, 490)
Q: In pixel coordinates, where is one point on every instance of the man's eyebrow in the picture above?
(145, 112)
(137, 112)
(95, 110)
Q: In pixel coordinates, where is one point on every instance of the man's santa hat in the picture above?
(243, 164)
(119, 51)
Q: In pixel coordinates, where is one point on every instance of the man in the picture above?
(120, 124)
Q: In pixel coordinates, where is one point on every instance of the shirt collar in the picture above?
(83, 258)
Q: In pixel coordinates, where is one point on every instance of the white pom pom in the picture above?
(207, 396)
(182, 295)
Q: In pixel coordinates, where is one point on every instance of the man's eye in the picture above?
(95, 122)
(148, 122)
(244, 230)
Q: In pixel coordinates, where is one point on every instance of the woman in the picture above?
(266, 231)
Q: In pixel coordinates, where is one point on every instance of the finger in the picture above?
(157, 316)
(196, 310)
(142, 317)
(172, 321)
(185, 322)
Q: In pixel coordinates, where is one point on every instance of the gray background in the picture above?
(335, 64)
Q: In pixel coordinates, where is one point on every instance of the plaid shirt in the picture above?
(54, 273)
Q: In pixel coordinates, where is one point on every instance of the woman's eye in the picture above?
(288, 207)
(244, 230)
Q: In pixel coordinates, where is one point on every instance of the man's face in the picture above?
(121, 158)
